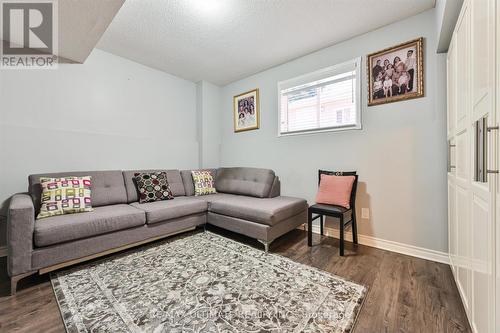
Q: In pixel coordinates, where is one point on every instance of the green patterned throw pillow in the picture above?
(66, 195)
(203, 182)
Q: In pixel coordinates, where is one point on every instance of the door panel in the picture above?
(482, 265)
(463, 243)
(462, 70)
(481, 35)
(482, 193)
(452, 223)
(451, 97)
(462, 158)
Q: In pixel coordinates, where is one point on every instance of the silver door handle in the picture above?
(450, 145)
(481, 131)
(489, 129)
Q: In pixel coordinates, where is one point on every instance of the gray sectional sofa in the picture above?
(248, 202)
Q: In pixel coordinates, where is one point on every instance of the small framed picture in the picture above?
(396, 73)
(246, 111)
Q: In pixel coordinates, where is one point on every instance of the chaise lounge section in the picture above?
(248, 202)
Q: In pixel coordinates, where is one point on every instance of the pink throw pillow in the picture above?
(335, 190)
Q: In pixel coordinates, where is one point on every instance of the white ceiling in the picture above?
(225, 40)
(80, 26)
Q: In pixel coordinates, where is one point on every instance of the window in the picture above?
(326, 100)
(340, 117)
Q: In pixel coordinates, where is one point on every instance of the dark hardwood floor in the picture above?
(406, 294)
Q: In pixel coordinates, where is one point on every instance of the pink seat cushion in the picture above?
(335, 190)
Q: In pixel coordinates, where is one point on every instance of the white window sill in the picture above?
(318, 131)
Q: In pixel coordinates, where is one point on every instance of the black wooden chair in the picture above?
(346, 216)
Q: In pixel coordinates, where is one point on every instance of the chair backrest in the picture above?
(352, 199)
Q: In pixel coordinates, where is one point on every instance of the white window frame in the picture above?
(318, 75)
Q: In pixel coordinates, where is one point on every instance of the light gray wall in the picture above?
(208, 124)
(400, 153)
(109, 113)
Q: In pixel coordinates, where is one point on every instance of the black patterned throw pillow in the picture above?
(153, 186)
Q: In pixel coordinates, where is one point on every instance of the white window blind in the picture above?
(324, 100)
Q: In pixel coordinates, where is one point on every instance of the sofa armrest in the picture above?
(20, 227)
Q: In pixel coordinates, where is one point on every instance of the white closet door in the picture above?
(451, 112)
(497, 238)
(451, 87)
(473, 198)
(482, 101)
(462, 141)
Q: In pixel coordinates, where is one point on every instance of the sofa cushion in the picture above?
(187, 179)
(170, 209)
(214, 197)
(245, 181)
(268, 211)
(64, 228)
(107, 186)
(173, 177)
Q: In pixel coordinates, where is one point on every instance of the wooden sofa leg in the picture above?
(15, 279)
(266, 245)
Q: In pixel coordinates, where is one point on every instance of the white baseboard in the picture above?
(3, 251)
(388, 245)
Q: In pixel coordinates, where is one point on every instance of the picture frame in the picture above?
(246, 111)
(396, 73)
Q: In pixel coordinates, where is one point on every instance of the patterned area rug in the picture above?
(204, 283)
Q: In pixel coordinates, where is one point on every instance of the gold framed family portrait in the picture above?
(396, 73)
(246, 111)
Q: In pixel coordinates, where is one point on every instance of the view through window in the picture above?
(329, 101)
